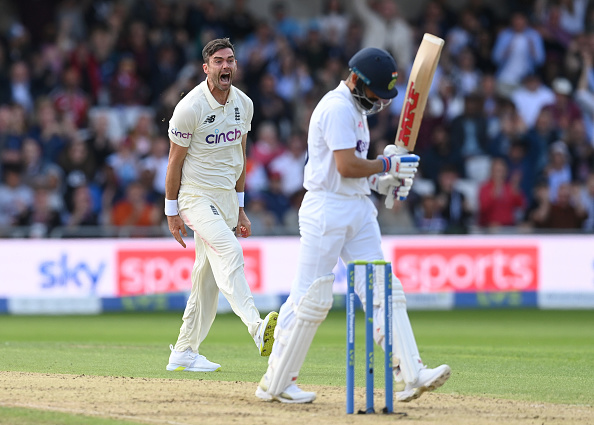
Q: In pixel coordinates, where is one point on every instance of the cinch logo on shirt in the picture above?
(223, 137)
(178, 133)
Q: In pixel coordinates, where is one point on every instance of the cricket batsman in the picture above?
(338, 219)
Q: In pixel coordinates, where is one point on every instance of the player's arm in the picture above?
(351, 166)
(177, 154)
(244, 226)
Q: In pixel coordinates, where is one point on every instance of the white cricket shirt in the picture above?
(336, 123)
(212, 132)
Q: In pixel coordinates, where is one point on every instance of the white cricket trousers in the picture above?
(333, 226)
(219, 265)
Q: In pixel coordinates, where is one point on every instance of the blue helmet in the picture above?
(376, 68)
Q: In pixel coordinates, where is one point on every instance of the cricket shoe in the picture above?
(428, 380)
(265, 334)
(188, 361)
(291, 394)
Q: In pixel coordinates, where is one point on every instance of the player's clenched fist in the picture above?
(399, 163)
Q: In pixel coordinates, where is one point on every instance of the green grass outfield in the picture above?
(533, 355)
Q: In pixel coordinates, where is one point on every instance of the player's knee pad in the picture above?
(310, 312)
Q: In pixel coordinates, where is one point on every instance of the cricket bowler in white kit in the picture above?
(204, 189)
(338, 219)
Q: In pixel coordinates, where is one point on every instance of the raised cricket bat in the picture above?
(417, 92)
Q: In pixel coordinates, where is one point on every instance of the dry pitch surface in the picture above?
(165, 401)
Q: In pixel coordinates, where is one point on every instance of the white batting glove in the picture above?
(398, 192)
(383, 184)
(399, 162)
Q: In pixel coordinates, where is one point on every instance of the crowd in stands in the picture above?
(87, 89)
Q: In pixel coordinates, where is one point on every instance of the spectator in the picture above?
(531, 98)
(386, 29)
(573, 15)
(275, 200)
(293, 80)
(240, 21)
(69, 99)
(334, 22)
(518, 52)
(134, 209)
(440, 153)
(42, 216)
(100, 141)
(463, 35)
(539, 137)
(269, 106)
(566, 212)
(284, 24)
(36, 170)
(469, 130)
(581, 151)
(79, 168)
(83, 209)
(451, 202)
(15, 197)
(564, 110)
(315, 51)
(48, 130)
(20, 88)
(467, 77)
(156, 164)
(267, 145)
(85, 63)
(558, 170)
(499, 201)
(427, 216)
(289, 165)
(263, 221)
(126, 88)
(124, 164)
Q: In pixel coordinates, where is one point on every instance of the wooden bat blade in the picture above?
(417, 91)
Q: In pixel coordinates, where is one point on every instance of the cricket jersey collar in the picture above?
(210, 98)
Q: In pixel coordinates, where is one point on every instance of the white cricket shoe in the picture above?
(265, 335)
(291, 394)
(188, 361)
(428, 380)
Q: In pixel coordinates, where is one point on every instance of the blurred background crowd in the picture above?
(87, 89)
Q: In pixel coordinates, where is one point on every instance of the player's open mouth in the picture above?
(225, 78)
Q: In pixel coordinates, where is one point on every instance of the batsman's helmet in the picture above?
(377, 69)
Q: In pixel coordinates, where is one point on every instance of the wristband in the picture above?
(171, 207)
(387, 163)
(241, 199)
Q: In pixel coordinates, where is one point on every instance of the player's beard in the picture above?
(221, 82)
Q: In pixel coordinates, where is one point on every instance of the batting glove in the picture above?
(399, 162)
(382, 184)
(398, 192)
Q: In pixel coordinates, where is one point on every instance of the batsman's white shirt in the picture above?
(336, 123)
(208, 205)
(212, 133)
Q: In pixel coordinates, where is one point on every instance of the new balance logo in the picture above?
(237, 116)
(209, 119)
(214, 210)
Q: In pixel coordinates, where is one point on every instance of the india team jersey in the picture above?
(336, 123)
(212, 132)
